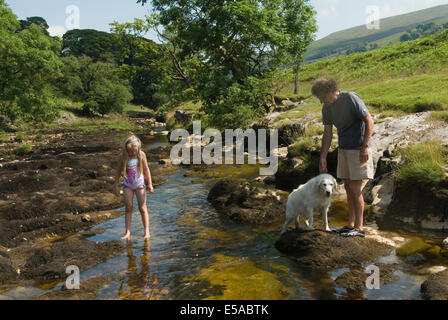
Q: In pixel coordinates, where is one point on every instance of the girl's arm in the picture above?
(146, 171)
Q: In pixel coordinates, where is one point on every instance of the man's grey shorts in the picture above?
(350, 168)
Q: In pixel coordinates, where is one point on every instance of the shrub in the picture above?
(22, 150)
(422, 164)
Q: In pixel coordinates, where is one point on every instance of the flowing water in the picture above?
(195, 254)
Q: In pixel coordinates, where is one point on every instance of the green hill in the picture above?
(407, 77)
(391, 30)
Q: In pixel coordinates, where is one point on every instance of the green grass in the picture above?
(133, 107)
(440, 115)
(191, 106)
(22, 150)
(422, 164)
(3, 137)
(404, 78)
(314, 130)
(390, 30)
(90, 124)
(301, 148)
(414, 94)
(22, 137)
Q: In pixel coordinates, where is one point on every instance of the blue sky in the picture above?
(332, 15)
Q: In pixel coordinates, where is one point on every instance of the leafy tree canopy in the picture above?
(97, 84)
(39, 21)
(98, 45)
(235, 44)
(30, 63)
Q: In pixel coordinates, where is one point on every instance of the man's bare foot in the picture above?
(147, 236)
(127, 236)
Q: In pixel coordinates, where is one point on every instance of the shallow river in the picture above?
(195, 254)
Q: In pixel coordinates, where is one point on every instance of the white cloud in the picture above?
(57, 31)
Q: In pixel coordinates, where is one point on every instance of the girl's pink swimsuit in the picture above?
(132, 181)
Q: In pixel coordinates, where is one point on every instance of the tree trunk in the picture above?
(296, 79)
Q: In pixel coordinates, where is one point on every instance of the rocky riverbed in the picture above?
(61, 186)
(52, 197)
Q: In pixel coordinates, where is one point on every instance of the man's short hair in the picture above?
(324, 86)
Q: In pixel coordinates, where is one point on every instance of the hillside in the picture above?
(391, 30)
(404, 78)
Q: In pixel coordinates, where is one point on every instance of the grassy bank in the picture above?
(404, 78)
(422, 164)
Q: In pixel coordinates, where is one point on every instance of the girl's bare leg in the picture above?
(129, 203)
(141, 199)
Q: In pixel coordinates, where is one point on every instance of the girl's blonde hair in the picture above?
(132, 143)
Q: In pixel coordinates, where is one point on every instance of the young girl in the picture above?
(133, 166)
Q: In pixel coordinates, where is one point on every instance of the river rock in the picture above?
(325, 250)
(182, 116)
(378, 193)
(386, 165)
(246, 204)
(66, 117)
(435, 287)
(157, 154)
(289, 133)
(50, 262)
(293, 172)
(7, 271)
(445, 243)
(354, 280)
(419, 207)
(267, 180)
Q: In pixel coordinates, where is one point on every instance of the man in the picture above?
(348, 113)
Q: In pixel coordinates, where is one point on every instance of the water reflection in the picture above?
(138, 283)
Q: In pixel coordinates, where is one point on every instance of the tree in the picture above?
(30, 63)
(98, 45)
(141, 61)
(39, 21)
(97, 84)
(301, 26)
(235, 44)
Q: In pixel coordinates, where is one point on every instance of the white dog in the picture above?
(315, 195)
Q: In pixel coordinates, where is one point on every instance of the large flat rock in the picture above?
(318, 249)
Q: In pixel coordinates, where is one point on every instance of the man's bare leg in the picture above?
(350, 204)
(355, 202)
